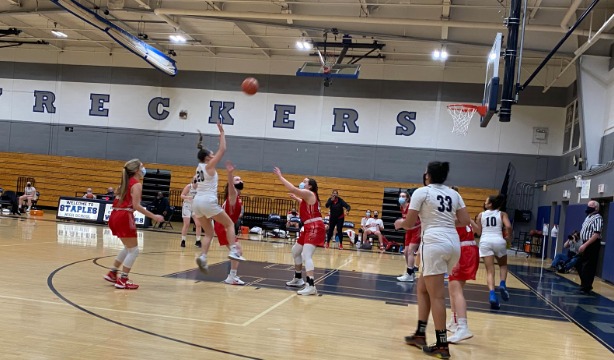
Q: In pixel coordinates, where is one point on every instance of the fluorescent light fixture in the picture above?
(444, 55)
(492, 56)
(436, 54)
(59, 34)
(306, 45)
(177, 38)
(300, 45)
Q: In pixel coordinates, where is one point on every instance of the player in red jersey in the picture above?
(314, 234)
(122, 222)
(465, 269)
(232, 207)
(412, 239)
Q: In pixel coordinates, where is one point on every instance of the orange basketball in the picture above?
(250, 86)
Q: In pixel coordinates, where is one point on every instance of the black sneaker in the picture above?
(442, 352)
(182, 243)
(197, 244)
(418, 341)
(551, 269)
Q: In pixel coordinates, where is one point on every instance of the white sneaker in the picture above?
(308, 290)
(296, 283)
(462, 333)
(452, 326)
(201, 261)
(234, 281)
(406, 277)
(234, 255)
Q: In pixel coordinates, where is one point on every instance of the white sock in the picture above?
(198, 238)
(233, 248)
(183, 238)
(233, 273)
(203, 256)
(462, 323)
(454, 318)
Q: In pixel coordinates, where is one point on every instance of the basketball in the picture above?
(250, 86)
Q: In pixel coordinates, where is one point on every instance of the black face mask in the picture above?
(294, 213)
(239, 186)
(590, 210)
(424, 179)
(376, 216)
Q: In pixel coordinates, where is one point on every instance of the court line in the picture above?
(268, 310)
(564, 314)
(62, 297)
(46, 242)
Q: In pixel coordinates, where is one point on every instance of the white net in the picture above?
(461, 116)
(328, 61)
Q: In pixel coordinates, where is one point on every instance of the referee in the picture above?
(591, 238)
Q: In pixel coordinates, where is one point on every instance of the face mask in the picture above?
(368, 214)
(239, 186)
(589, 210)
(402, 200)
(375, 216)
(294, 213)
(29, 185)
(301, 185)
(144, 171)
(424, 179)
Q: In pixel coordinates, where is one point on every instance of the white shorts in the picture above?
(207, 206)
(186, 210)
(439, 257)
(497, 248)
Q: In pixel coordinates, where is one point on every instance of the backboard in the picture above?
(314, 69)
(491, 83)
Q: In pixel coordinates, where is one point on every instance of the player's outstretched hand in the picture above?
(229, 166)
(277, 172)
(294, 197)
(159, 218)
(220, 127)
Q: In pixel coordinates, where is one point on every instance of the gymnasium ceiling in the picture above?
(225, 29)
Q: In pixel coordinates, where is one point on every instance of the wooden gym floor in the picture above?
(54, 304)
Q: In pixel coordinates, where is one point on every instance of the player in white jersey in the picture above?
(29, 195)
(493, 245)
(441, 210)
(205, 204)
(188, 194)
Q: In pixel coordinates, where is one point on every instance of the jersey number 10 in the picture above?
(491, 221)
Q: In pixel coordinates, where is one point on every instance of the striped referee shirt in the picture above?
(592, 224)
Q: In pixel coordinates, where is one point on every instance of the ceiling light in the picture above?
(59, 34)
(306, 45)
(444, 55)
(492, 56)
(300, 45)
(177, 38)
(436, 54)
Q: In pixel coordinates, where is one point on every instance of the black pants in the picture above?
(238, 225)
(587, 266)
(332, 223)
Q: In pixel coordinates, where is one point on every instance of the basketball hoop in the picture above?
(328, 60)
(461, 116)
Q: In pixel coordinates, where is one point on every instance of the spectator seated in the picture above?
(167, 219)
(294, 229)
(273, 223)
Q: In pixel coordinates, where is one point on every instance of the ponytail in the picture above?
(496, 201)
(128, 171)
(202, 151)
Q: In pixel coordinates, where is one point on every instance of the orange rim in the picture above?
(467, 107)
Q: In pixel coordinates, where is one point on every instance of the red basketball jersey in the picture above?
(127, 203)
(404, 214)
(465, 233)
(233, 211)
(309, 212)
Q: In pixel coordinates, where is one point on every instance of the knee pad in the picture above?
(308, 251)
(296, 253)
(122, 255)
(133, 253)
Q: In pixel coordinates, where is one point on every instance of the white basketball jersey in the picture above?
(207, 185)
(492, 226)
(437, 205)
(192, 193)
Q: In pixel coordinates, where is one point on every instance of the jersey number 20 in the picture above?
(442, 203)
(200, 176)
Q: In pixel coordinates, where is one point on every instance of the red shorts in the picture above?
(413, 236)
(220, 232)
(468, 264)
(314, 234)
(122, 224)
